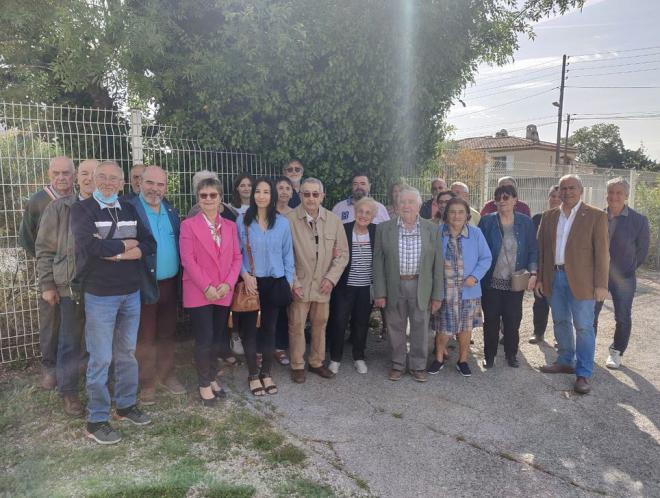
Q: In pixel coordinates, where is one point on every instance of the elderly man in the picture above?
(360, 187)
(110, 242)
(629, 245)
(321, 254)
(463, 191)
(60, 173)
(521, 207)
(56, 271)
(294, 171)
(573, 267)
(408, 281)
(155, 343)
(135, 176)
(430, 207)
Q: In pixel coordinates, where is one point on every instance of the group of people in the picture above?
(112, 269)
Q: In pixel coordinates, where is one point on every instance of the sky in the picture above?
(610, 43)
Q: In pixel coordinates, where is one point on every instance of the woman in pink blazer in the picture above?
(211, 259)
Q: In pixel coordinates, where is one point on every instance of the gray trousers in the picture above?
(49, 325)
(406, 309)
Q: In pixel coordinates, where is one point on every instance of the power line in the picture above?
(619, 51)
(615, 58)
(539, 64)
(507, 124)
(616, 65)
(616, 72)
(507, 103)
(622, 87)
(479, 89)
(505, 78)
(510, 130)
(470, 97)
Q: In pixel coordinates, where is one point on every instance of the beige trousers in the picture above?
(318, 316)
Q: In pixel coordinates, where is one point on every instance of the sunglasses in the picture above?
(503, 197)
(294, 169)
(307, 195)
(212, 195)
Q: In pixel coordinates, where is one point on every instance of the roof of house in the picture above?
(506, 143)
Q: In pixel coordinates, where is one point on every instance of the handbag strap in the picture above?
(249, 249)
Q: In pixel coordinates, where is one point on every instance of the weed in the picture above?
(397, 414)
(223, 490)
(304, 488)
(287, 454)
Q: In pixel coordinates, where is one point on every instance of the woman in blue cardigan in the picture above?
(466, 259)
(512, 240)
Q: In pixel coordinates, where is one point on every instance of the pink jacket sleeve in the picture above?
(188, 260)
(236, 260)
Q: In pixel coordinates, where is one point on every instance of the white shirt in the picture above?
(345, 210)
(564, 225)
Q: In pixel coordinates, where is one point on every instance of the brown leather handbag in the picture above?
(242, 301)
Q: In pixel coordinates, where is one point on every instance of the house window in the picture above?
(499, 164)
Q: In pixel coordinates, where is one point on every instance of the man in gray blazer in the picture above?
(408, 281)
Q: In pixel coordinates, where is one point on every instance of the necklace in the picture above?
(114, 218)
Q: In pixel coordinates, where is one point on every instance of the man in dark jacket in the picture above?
(60, 173)
(429, 208)
(629, 245)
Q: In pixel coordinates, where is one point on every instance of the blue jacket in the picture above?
(629, 245)
(149, 287)
(476, 258)
(528, 251)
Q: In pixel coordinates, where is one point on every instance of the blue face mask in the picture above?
(105, 200)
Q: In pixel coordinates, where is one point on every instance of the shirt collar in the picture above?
(116, 204)
(624, 211)
(465, 232)
(147, 207)
(573, 211)
(399, 222)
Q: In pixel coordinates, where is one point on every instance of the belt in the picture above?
(559, 268)
(408, 277)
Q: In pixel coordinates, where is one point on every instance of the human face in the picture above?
(244, 190)
(85, 178)
(284, 193)
(136, 177)
(456, 216)
(570, 192)
(360, 187)
(312, 197)
(109, 179)
(408, 206)
(294, 172)
(505, 203)
(262, 195)
(209, 200)
(616, 197)
(395, 194)
(554, 200)
(60, 174)
(460, 192)
(364, 215)
(442, 202)
(154, 185)
(437, 186)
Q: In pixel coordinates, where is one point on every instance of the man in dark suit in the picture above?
(573, 266)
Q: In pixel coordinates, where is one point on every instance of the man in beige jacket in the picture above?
(321, 254)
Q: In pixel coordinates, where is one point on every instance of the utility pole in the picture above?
(560, 108)
(568, 125)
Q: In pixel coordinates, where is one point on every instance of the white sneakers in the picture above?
(333, 366)
(613, 360)
(360, 366)
(237, 345)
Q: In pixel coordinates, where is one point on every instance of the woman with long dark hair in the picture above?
(240, 199)
(267, 249)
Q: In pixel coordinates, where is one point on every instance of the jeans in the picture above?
(541, 310)
(578, 348)
(352, 303)
(507, 306)
(623, 292)
(265, 333)
(209, 325)
(49, 325)
(72, 323)
(111, 329)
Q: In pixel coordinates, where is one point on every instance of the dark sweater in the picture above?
(97, 236)
(35, 207)
(629, 244)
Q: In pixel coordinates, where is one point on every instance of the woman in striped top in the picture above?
(351, 297)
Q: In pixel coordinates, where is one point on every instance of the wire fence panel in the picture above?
(30, 135)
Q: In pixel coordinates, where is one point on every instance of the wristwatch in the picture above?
(118, 257)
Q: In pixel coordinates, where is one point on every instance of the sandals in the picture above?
(219, 393)
(257, 390)
(269, 385)
(207, 401)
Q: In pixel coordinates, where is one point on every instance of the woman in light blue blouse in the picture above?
(266, 239)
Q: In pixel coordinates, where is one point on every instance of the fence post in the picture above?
(632, 180)
(137, 152)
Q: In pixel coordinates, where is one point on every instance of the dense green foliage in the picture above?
(345, 85)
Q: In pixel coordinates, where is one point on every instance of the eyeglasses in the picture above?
(307, 195)
(503, 197)
(293, 169)
(103, 178)
(211, 195)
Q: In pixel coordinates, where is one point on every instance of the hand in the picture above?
(532, 283)
(335, 251)
(435, 304)
(51, 297)
(326, 286)
(297, 292)
(211, 293)
(250, 283)
(600, 294)
(470, 281)
(380, 302)
(222, 290)
(538, 289)
(130, 244)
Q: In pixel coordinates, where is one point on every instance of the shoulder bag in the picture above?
(242, 301)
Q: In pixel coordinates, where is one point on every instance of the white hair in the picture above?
(407, 189)
(52, 162)
(312, 180)
(619, 180)
(465, 188)
(574, 177)
(202, 175)
(507, 179)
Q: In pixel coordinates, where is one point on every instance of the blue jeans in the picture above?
(623, 292)
(111, 333)
(72, 320)
(567, 312)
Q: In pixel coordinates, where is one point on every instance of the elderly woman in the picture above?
(240, 199)
(512, 241)
(267, 249)
(211, 259)
(351, 297)
(225, 211)
(441, 201)
(467, 258)
(393, 199)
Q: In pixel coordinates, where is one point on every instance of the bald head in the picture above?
(153, 186)
(85, 177)
(60, 174)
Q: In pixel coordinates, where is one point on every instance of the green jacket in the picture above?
(56, 263)
(27, 233)
(386, 264)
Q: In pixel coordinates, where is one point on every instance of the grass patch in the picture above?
(223, 490)
(361, 483)
(397, 414)
(179, 426)
(287, 454)
(304, 488)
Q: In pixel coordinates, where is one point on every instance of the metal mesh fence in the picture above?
(32, 134)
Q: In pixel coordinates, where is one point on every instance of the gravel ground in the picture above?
(503, 432)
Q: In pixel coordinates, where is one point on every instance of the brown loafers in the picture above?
(557, 368)
(298, 376)
(395, 375)
(322, 371)
(72, 405)
(582, 386)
